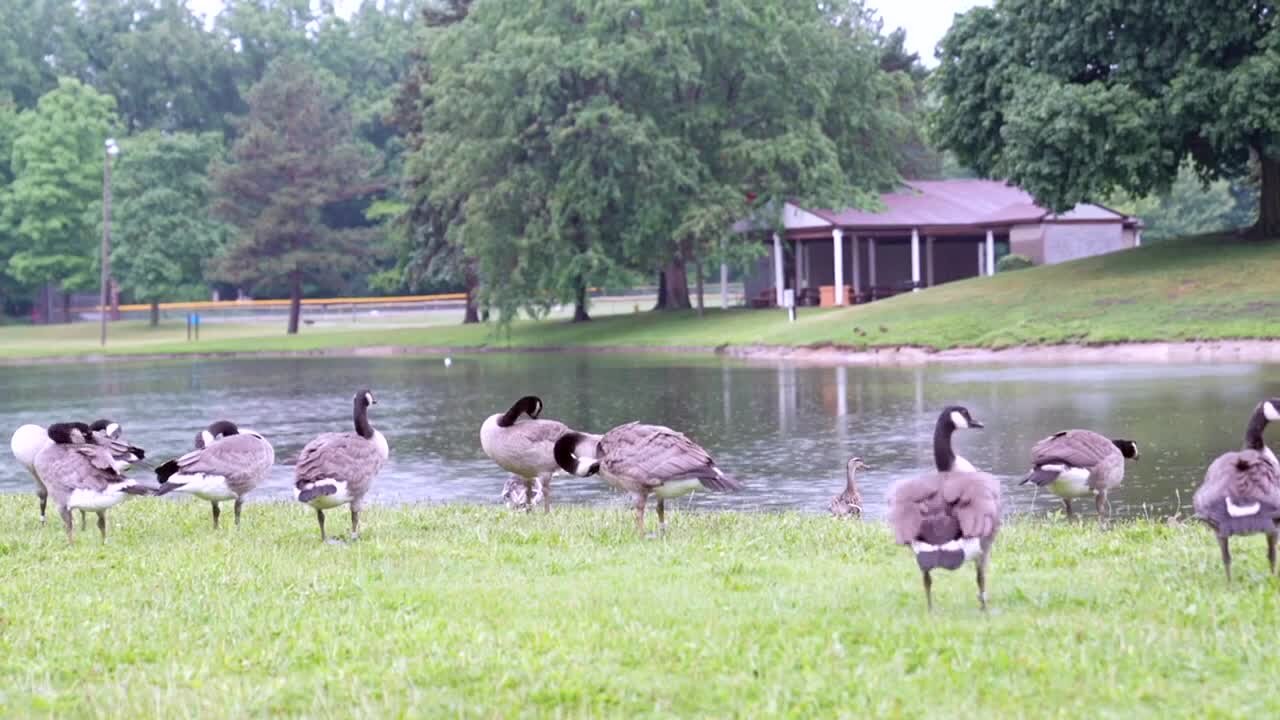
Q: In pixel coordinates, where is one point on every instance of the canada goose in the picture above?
(337, 469)
(26, 444)
(1075, 463)
(1267, 411)
(524, 446)
(849, 502)
(1240, 495)
(81, 475)
(107, 434)
(227, 463)
(950, 515)
(643, 459)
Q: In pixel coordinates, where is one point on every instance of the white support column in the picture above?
(857, 267)
(778, 282)
(837, 245)
(797, 279)
(982, 256)
(991, 252)
(871, 262)
(915, 260)
(724, 286)
(1137, 238)
(928, 261)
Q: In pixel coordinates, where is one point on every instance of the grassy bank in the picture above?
(465, 611)
(1198, 288)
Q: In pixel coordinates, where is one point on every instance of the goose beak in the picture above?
(976, 425)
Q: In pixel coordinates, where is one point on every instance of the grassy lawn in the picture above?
(1197, 288)
(475, 612)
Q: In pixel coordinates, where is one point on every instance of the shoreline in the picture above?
(1157, 352)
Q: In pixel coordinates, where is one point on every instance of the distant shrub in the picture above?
(1013, 261)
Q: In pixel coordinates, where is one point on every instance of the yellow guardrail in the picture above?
(251, 304)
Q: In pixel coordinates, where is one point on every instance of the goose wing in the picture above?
(340, 456)
(529, 437)
(77, 467)
(233, 457)
(940, 507)
(1076, 448)
(1240, 493)
(653, 455)
(974, 500)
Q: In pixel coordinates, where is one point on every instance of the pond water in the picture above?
(785, 430)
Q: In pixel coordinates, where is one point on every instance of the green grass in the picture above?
(475, 612)
(1196, 288)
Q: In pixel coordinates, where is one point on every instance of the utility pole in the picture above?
(111, 150)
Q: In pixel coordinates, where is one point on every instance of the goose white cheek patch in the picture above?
(958, 420)
(1271, 412)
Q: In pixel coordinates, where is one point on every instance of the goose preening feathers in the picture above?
(849, 502)
(81, 475)
(1076, 463)
(646, 459)
(26, 444)
(107, 434)
(227, 464)
(951, 515)
(337, 469)
(523, 444)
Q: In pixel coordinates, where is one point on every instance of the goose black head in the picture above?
(530, 405)
(216, 430)
(72, 433)
(110, 428)
(957, 417)
(566, 455)
(1128, 448)
(364, 398)
(1271, 409)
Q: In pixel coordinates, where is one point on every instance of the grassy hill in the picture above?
(1196, 288)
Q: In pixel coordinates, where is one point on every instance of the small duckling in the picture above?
(849, 502)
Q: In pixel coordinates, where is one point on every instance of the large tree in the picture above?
(1076, 100)
(162, 231)
(293, 169)
(587, 144)
(57, 169)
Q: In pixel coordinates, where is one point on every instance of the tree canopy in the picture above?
(295, 162)
(1076, 100)
(583, 147)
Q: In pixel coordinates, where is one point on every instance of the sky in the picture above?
(925, 21)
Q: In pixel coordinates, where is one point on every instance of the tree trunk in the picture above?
(295, 301)
(472, 314)
(1268, 227)
(66, 307)
(697, 268)
(661, 304)
(580, 303)
(155, 314)
(677, 286)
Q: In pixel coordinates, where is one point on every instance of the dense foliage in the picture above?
(1076, 100)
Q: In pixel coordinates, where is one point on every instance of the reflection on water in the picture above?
(785, 430)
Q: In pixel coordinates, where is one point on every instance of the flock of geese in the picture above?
(947, 517)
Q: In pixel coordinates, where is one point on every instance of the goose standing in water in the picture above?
(1076, 463)
(1240, 495)
(337, 469)
(226, 465)
(644, 459)
(523, 444)
(82, 476)
(26, 444)
(849, 502)
(951, 515)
